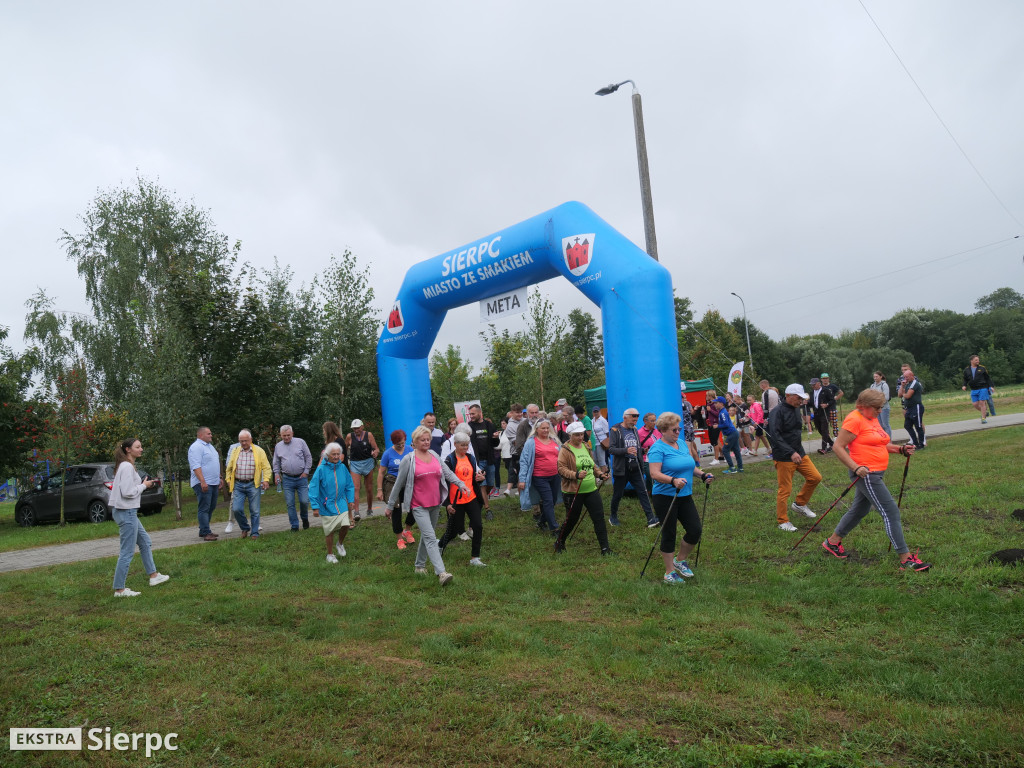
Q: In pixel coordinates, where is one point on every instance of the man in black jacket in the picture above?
(785, 428)
(484, 440)
(624, 447)
(821, 400)
(977, 380)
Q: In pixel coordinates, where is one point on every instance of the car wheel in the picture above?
(25, 515)
(97, 512)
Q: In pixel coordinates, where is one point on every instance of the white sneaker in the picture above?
(421, 571)
(445, 579)
(340, 549)
(745, 452)
(127, 593)
(787, 526)
(160, 578)
(464, 536)
(478, 562)
(229, 527)
(506, 492)
(332, 559)
(805, 509)
(714, 463)
(261, 529)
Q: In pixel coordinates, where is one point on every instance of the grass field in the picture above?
(260, 653)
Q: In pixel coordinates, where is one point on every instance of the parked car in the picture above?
(86, 490)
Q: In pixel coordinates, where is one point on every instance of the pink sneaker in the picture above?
(409, 538)
(401, 543)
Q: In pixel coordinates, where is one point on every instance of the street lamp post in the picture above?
(746, 328)
(641, 159)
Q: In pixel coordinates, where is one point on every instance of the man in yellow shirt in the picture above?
(248, 474)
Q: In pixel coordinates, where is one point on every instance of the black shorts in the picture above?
(713, 434)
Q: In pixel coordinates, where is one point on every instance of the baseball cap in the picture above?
(797, 389)
(576, 426)
(560, 402)
(815, 380)
(719, 399)
(825, 376)
(356, 423)
(596, 409)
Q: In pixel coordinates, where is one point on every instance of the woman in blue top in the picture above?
(672, 469)
(332, 495)
(386, 477)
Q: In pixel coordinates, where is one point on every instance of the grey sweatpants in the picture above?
(871, 492)
(426, 520)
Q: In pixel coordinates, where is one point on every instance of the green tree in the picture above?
(709, 347)
(543, 336)
(342, 380)
(450, 379)
(1001, 298)
(581, 356)
(14, 382)
(505, 379)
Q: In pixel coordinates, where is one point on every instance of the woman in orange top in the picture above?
(463, 503)
(864, 447)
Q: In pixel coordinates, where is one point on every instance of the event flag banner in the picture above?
(736, 379)
(503, 305)
(462, 410)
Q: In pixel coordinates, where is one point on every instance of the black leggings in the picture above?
(457, 524)
(396, 513)
(685, 511)
(574, 504)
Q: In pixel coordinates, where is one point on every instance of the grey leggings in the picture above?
(871, 492)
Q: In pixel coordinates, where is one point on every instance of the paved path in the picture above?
(38, 557)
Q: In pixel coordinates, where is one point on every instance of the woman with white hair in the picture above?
(425, 480)
(448, 447)
(461, 504)
(332, 495)
(538, 475)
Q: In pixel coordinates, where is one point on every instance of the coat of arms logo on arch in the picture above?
(578, 250)
(395, 320)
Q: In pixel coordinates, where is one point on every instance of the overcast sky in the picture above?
(789, 151)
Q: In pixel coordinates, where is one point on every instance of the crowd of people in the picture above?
(552, 459)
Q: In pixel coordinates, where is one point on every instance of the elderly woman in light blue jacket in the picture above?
(425, 480)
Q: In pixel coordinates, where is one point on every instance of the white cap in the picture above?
(576, 426)
(797, 389)
(561, 402)
(356, 423)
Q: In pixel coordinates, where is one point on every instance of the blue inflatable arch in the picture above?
(633, 291)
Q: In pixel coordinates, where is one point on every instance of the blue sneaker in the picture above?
(682, 568)
(730, 471)
(614, 519)
(674, 579)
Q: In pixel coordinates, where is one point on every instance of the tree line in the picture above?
(182, 332)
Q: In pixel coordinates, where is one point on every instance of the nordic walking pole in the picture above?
(660, 527)
(846, 491)
(707, 489)
(580, 518)
(899, 502)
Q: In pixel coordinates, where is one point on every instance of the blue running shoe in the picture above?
(674, 579)
(682, 568)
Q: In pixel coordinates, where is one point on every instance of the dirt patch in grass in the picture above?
(1008, 556)
(1018, 514)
